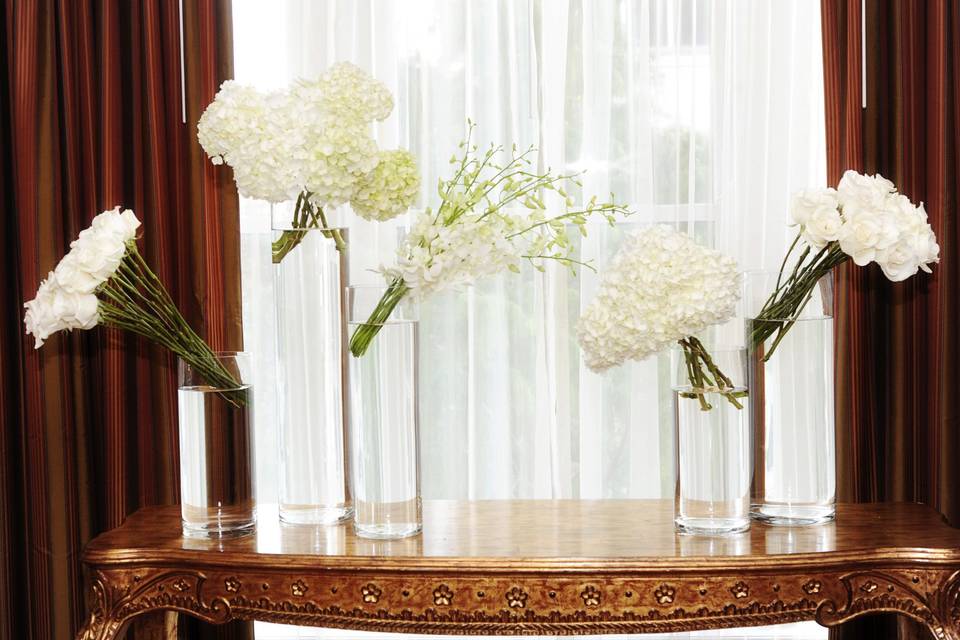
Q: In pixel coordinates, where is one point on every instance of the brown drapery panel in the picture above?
(91, 117)
(898, 420)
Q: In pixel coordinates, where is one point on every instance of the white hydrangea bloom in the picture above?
(313, 137)
(389, 189)
(871, 222)
(337, 157)
(228, 121)
(251, 132)
(347, 91)
(66, 298)
(659, 288)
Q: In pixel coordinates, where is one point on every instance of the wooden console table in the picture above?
(534, 567)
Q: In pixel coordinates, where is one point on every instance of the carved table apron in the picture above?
(534, 567)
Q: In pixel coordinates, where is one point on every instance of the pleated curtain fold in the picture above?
(898, 420)
(98, 108)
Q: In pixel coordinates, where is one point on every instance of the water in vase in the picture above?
(384, 428)
(216, 461)
(713, 464)
(793, 417)
(309, 284)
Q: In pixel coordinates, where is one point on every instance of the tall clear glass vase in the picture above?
(310, 276)
(216, 451)
(384, 421)
(713, 466)
(792, 410)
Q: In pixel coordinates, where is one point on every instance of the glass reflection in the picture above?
(782, 540)
(725, 545)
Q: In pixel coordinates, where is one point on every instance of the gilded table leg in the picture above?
(930, 596)
(118, 596)
(100, 623)
(947, 609)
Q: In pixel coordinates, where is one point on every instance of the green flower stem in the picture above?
(705, 376)
(791, 295)
(364, 334)
(304, 217)
(134, 299)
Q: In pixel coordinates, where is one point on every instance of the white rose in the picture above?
(131, 224)
(899, 262)
(923, 245)
(922, 240)
(864, 232)
(822, 227)
(112, 222)
(40, 319)
(916, 246)
(75, 310)
(71, 276)
(863, 190)
(804, 203)
(99, 256)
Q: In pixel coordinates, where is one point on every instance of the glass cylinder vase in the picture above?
(792, 407)
(216, 451)
(310, 276)
(713, 448)
(384, 420)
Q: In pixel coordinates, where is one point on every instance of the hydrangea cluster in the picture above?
(347, 92)
(312, 138)
(661, 287)
(386, 191)
(871, 222)
(66, 298)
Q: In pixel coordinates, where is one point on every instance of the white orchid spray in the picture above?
(663, 288)
(492, 217)
(863, 219)
(103, 280)
(311, 143)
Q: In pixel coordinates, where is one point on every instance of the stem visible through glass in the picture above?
(135, 299)
(364, 334)
(791, 295)
(705, 376)
(304, 217)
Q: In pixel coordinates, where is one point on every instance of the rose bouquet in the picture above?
(865, 219)
(492, 217)
(661, 288)
(103, 279)
(311, 142)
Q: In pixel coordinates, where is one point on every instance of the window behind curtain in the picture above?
(700, 114)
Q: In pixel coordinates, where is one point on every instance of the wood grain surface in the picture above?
(522, 567)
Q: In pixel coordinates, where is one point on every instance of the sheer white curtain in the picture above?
(703, 114)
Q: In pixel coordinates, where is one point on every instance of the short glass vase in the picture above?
(713, 456)
(384, 420)
(217, 451)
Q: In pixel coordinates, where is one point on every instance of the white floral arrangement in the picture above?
(863, 219)
(870, 222)
(311, 142)
(659, 289)
(492, 217)
(103, 280)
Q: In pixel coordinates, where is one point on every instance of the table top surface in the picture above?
(543, 533)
